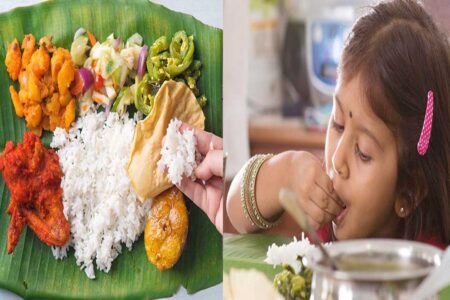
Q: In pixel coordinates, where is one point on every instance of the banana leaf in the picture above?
(31, 271)
(249, 251)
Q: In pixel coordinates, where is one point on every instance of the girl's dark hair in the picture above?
(399, 55)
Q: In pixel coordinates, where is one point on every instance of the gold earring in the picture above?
(402, 211)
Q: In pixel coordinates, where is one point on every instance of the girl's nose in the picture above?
(340, 166)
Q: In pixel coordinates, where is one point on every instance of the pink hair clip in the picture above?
(424, 140)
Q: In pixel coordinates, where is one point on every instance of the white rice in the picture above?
(99, 203)
(287, 253)
(178, 153)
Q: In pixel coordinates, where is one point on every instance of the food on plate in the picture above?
(48, 80)
(294, 282)
(292, 285)
(113, 72)
(28, 46)
(170, 60)
(99, 201)
(109, 70)
(104, 161)
(166, 230)
(167, 61)
(13, 59)
(178, 154)
(33, 176)
(173, 100)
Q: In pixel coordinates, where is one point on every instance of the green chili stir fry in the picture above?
(294, 286)
(165, 61)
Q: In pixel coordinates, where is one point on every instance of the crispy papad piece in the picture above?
(173, 100)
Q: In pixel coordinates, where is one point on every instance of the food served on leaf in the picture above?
(178, 154)
(174, 100)
(49, 82)
(99, 202)
(166, 230)
(107, 159)
(109, 70)
(33, 176)
(105, 61)
(114, 74)
(13, 59)
(294, 282)
(166, 61)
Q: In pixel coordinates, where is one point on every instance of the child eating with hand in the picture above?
(387, 153)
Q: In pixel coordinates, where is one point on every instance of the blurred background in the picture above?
(280, 60)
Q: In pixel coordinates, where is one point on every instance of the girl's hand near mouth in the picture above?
(299, 171)
(314, 189)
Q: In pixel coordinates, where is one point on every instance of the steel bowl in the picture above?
(372, 269)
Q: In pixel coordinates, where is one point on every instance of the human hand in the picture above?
(314, 189)
(207, 191)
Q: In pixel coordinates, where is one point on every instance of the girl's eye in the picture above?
(339, 128)
(362, 156)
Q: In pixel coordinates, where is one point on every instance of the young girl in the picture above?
(387, 153)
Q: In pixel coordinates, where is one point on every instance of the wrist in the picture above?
(274, 173)
(257, 193)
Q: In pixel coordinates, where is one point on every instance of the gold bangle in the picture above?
(244, 189)
(248, 197)
(261, 221)
(248, 190)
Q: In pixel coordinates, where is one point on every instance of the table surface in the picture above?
(208, 12)
(275, 129)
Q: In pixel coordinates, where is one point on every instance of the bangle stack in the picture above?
(248, 196)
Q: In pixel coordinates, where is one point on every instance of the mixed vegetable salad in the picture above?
(118, 74)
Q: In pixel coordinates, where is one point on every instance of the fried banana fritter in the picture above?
(166, 229)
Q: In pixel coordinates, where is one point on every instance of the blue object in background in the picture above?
(326, 36)
(328, 39)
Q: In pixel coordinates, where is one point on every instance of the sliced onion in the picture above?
(87, 77)
(79, 32)
(141, 61)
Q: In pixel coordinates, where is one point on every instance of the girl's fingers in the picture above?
(323, 200)
(212, 165)
(205, 140)
(317, 215)
(324, 182)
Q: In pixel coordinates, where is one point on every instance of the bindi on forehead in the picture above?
(350, 114)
